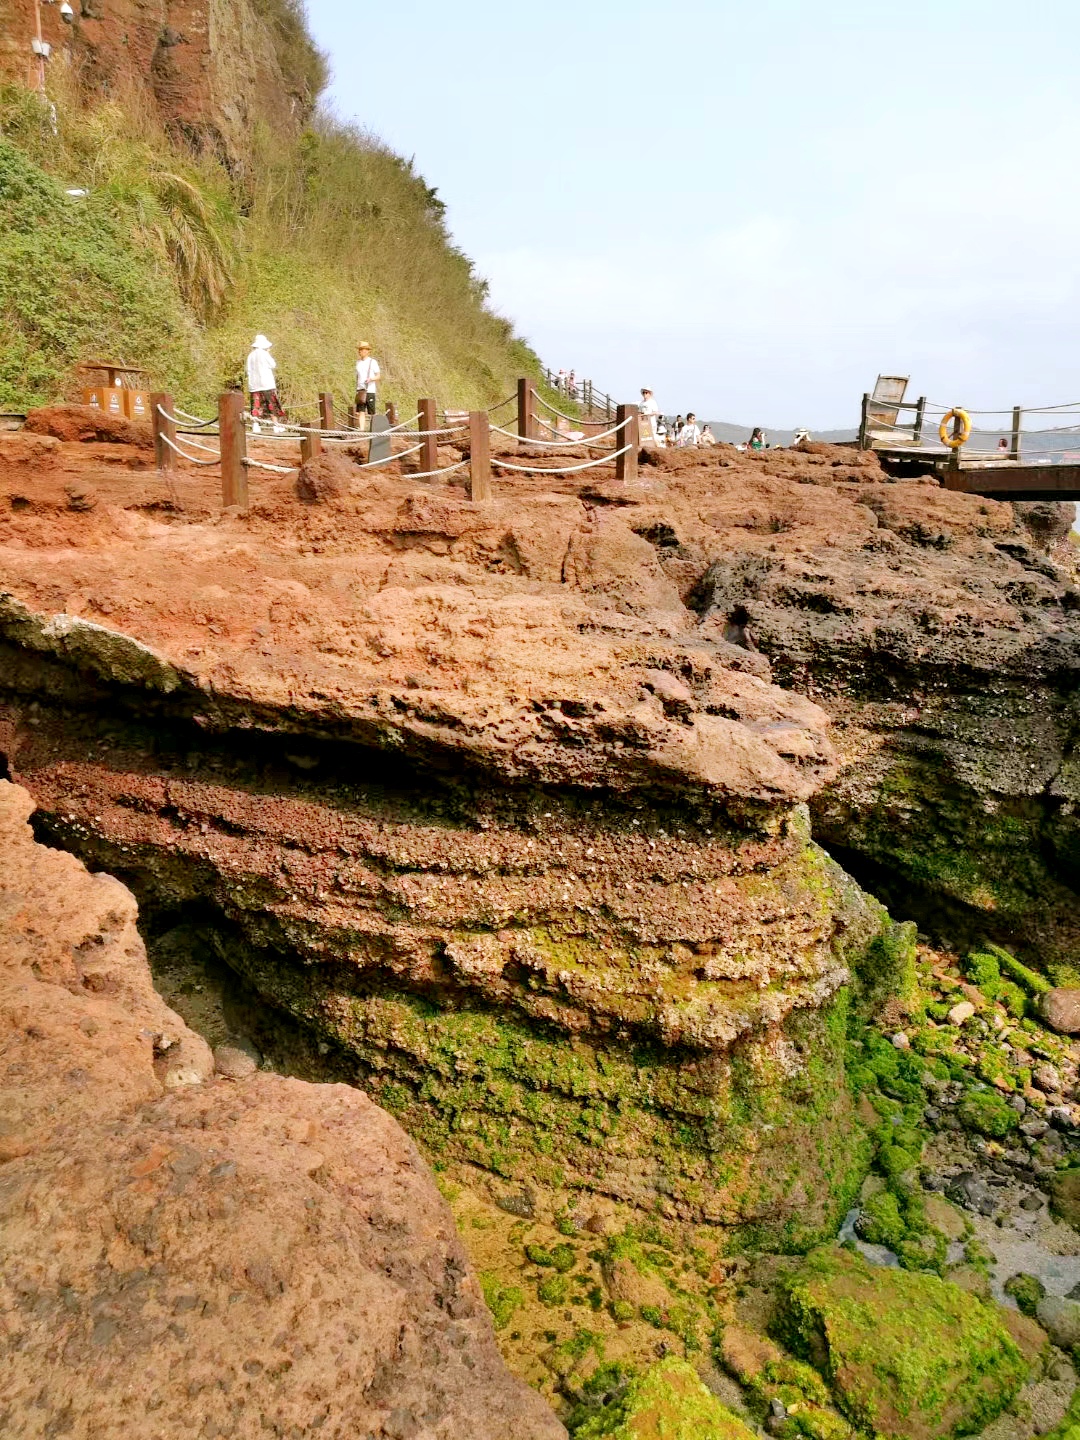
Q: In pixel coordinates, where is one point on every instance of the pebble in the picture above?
(1047, 1078)
(234, 1063)
(1034, 1129)
(901, 1041)
(961, 1012)
(1018, 1103)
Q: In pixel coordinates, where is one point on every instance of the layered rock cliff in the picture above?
(184, 1255)
(503, 800)
(210, 69)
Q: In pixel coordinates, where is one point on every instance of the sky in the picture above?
(754, 207)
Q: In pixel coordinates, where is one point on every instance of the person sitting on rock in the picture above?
(262, 382)
(690, 434)
(707, 437)
(757, 439)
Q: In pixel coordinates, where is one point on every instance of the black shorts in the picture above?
(366, 402)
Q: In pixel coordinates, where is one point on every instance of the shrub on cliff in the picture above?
(71, 283)
(669, 1400)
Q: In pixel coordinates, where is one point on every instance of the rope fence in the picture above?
(235, 428)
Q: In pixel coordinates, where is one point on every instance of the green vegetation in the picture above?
(174, 262)
(502, 1300)
(986, 1112)
(906, 1355)
(1027, 1291)
(668, 1402)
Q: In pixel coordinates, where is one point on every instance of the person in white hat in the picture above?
(649, 415)
(262, 382)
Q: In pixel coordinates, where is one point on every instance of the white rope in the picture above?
(293, 432)
(191, 459)
(209, 449)
(262, 465)
(195, 419)
(369, 464)
(574, 419)
(585, 440)
(560, 469)
(427, 474)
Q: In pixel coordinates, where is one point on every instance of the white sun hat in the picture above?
(261, 343)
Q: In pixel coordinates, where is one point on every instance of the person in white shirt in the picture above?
(649, 412)
(368, 376)
(262, 383)
(690, 434)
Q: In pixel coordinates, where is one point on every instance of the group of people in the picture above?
(679, 433)
(567, 384)
(262, 385)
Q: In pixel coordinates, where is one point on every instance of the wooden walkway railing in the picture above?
(177, 433)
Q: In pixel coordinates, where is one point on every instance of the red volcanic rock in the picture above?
(87, 423)
(239, 1257)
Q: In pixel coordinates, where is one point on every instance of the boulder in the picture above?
(325, 477)
(1060, 1318)
(907, 1354)
(184, 1259)
(1060, 1008)
(86, 423)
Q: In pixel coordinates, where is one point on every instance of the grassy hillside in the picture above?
(172, 263)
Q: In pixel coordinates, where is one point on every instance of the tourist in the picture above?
(571, 386)
(690, 434)
(800, 436)
(262, 383)
(707, 437)
(1003, 447)
(649, 412)
(368, 376)
(757, 439)
(676, 427)
(661, 435)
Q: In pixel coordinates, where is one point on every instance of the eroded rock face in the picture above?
(503, 798)
(211, 70)
(181, 1258)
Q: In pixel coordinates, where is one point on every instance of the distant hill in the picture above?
(738, 434)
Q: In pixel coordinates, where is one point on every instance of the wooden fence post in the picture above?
(429, 444)
(310, 446)
(233, 441)
(391, 414)
(626, 466)
(1018, 418)
(163, 429)
(920, 417)
(864, 423)
(479, 455)
(525, 394)
(326, 410)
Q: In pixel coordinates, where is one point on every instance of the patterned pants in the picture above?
(265, 404)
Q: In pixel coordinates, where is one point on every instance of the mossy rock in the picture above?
(986, 1112)
(1065, 1197)
(668, 1402)
(906, 1354)
(1027, 1291)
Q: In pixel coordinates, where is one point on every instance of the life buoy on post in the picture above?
(955, 438)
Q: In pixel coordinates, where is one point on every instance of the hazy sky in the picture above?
(754, 207)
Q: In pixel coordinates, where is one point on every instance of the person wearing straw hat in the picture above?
(262, 382)
(368, 376)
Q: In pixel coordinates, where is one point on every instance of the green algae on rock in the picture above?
(668, 1402)
(906, 1354)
